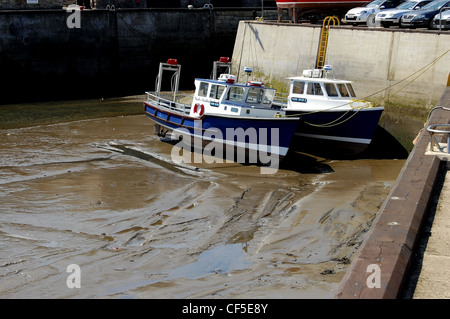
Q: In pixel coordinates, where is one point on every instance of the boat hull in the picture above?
(249, 134)
(348, 132)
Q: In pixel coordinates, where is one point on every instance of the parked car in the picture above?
(389, 17)
(444, 20)
(423, 18)
(366, 15)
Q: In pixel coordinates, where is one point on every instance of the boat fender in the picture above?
(199, 109)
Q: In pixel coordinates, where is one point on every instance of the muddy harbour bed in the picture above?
(104, 194)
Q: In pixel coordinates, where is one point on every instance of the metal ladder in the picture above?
(322, 51)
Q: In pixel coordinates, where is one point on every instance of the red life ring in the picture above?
(199, 111)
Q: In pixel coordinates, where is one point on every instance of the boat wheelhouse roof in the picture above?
(318, 80)
(238, 84)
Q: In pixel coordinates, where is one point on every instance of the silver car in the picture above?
(366, 15)
(444, 18)
(390, 17)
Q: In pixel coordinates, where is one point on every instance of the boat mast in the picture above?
(173, 66)
(223, 63)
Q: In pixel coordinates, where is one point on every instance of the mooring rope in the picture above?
(419, 73)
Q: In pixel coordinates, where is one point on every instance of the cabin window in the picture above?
(269, 96)
(203, 89)
(216, 91)
(254, 95)
(350, 90)
(331, 89)
(343, 90)
(299, 87)
(235, 93)
(314, 89)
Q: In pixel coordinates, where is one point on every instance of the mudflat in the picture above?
(105, 195)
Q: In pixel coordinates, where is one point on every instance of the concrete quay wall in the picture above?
(380, 267)
(374, 59)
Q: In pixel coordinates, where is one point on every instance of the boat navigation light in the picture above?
(255, 83)
(248, 71)
(172, 61)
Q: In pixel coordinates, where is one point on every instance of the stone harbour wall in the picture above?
(30, 4)
(109, 52)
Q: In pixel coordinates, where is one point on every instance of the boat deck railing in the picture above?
(178, 103)
(281, 99)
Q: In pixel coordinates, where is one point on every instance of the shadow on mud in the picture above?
(304, 164)
(383, 146)
(293, 161)
(311, 158)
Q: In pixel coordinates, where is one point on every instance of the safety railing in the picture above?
(436, 129)
(166, 100)
(440, 17)
(281, 98)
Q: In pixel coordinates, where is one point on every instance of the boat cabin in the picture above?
(312, 90)
(226, 96)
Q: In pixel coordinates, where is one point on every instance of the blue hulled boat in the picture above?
(331, 116)
(222, 113)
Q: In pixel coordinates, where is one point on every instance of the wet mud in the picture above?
(104, 194)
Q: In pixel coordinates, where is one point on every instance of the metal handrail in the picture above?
(170, 104)
(281, 97)
(432, 129)
(440, 17)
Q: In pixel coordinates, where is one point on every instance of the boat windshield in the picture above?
(259, 95)
(350, 89)
(331, 89)
(319, 89)
(346, 90)
(255, 95)
(203, 89)
(298, 87)
(235, 93)
(216, 91)
(314, 89)
(269, 96)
